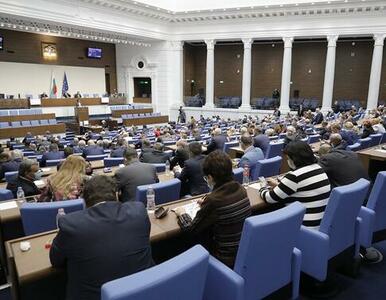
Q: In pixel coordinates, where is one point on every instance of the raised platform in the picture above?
(27, 117)
(146, 121)
(6, 133)
(119, 113)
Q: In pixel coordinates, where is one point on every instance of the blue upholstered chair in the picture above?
(10, 176)
(52, 121)
(267, 258)
(375, 139)
(165, 192)
(15, 124)
(96, 157)
(274, 149)
(339, 229)
(354, 147)
(267, 167)
(238, 175)
(41, 217)
(53, 162)
(113, 161)
(160, 167)
(43, 122)
(5, 195)
(373, 215)
(25, 123)
(365, 143)
(228, 145)
(35, 123)
(313, 138)
(192, 275)
(383, 139)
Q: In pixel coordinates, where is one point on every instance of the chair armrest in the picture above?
(314, 246)
(222, 282)
(366, 230)
(295, 272)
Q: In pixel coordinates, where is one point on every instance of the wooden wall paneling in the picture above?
(382, 88)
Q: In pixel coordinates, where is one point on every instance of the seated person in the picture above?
(119, 149)
(318, 118)
(251, 154)
(219, 222)
(181, 155)
(349, 134)
(78, 95)
(217, 142)
(306, 183)
(106, 241)
(337, 142)
(28, 173)
(157, 156)
(13, 164)
(260, 140)
(67, 152)
(92, 149)
(135, 173)
(324, 131)
(341, 166)
(52, 154)
(291, 135)
(67, 182)
(192, 176)
(367, 129)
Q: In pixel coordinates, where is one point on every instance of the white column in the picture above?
(375, 75)
(286, 75)
(247, 65)
(329, 73)
(177, 65)
(209, 97)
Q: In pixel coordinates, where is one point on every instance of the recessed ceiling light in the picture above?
(238, 8)
(266, 6)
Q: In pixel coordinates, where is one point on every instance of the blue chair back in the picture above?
(53, 162)
(96, 157)
(182, 277)
(267, 167)
(375, 139)
(354, 147)
(365, 143)
(377, 201)
(5, 195)
(238, 175)
(10, 176)
(41, 217)
(274, 149)
(165, 192)
(160, 167)
(228, 145)
(340, 217)
(383, 139)
(313, 138)
(113, 161)
(264, 257)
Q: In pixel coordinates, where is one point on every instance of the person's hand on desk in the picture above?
(179, 211)
(272, 182)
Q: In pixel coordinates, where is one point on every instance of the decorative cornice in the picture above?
(210, 44)
(176, 45)
(247, 43)
(379, 39)
(331, 39)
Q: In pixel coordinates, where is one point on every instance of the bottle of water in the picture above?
(150, 197)
(20, 194)
(59, 214)
(167, 167)
(246, 176)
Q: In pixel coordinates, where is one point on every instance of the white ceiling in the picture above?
(184, 5)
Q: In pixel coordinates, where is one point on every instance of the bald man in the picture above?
(217, 142)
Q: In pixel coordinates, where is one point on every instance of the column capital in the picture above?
(247, 43)
(288, 41)
(210, 44)
(379, 39)
(176, 45)
(331, 39)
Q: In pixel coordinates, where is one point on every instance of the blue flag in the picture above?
(65, 84)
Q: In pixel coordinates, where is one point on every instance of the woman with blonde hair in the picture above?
(67, 183)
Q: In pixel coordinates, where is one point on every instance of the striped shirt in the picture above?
(310, 186)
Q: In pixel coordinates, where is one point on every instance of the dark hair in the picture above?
(130, 153)
(68, 151)
(195, 148)
(54, 147)
(219, 165)
(26, 166)
(246, 139)
(98, 189)
(301, 153)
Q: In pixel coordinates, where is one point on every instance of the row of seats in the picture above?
(307, 103)
(265, 103)
(21, 112)
(194, 101)
(229, 102)
(137, 116)
(346, 104)
(126, 107)
(16, 124)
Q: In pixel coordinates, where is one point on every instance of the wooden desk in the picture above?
(141, 100)
(119, 113)
(69, 102)
(14, 103)
(117, 100)
(234, 152)
(81, 114)
(146, 121)
(6, 133)
(373, 153)
(27, 117)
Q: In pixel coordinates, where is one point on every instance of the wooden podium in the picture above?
(81, 113)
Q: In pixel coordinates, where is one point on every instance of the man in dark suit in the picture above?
(106, 241)
(92, 149)
(261, 140)
(318, 118)
(52, 154)
(119, 149)
(217, 142)
(28, 171)
(181, 155)
(341, 166)
(157, 156)
(135, 173)
(192, 176)
(16, 157)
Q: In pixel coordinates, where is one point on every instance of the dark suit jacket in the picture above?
(93, 150)
(217, 143)
(154, 157)
(102, 243)
(367, 131)
(134, 174)
(118, 152)
(192, 177)
(10, 166)
(342, 167)
(181, 156)
(29, 187)
(261, 141)
(318, 118)
(50, 156)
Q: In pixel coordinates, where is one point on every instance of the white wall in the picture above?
(34, 79)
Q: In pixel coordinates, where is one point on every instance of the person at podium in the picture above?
(78, 103)
(77, 95)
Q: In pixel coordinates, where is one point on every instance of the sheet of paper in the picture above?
(46, 169)
(381, 150)
(8, 205)
(39, 183)
(191, 209)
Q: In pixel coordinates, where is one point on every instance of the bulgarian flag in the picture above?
(54, 91)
